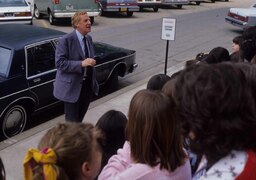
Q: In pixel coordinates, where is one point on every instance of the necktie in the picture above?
(86, 48)
(87, 70)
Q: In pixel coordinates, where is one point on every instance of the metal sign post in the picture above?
(168, 33)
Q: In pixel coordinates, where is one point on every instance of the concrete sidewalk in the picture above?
(12, 151)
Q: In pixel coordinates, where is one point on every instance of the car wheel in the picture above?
(14, 121)
(179, 6)
(197, 3)
(129, 14)
(92, 19)
(52, 19)
(37, 13)
(155, 9)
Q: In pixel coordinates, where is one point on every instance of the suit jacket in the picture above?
(70, 73)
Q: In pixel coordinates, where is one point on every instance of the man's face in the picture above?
(84, 25)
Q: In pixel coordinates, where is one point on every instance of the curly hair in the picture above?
(216, 105)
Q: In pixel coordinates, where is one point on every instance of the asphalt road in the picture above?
(198, 29)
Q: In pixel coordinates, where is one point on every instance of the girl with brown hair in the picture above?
(154, 148)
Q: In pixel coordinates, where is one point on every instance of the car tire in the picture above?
(37, 13)
(129, 14)
(198, 3)
(155, 9)
(92, 19)
(14, 121)
(52, 19)
(179, 6)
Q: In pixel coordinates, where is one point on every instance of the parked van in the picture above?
(178, 3)
(57, 9)
(155, 4)
(127, 6)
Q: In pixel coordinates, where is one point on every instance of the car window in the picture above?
(40, 58)
(7, 3)
(101, 48)
(5, 56)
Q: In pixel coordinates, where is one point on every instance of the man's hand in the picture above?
(88, 62)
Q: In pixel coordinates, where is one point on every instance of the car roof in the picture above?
(16, 36)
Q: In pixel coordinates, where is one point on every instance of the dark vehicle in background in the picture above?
(60, 9)
(124, 6)
(15, 11)
(27, 72)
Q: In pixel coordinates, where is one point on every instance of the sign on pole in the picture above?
(168, 33)
(168, 29)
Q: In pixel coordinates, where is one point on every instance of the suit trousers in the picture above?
(74, 112)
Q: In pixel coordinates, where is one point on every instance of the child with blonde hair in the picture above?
(67, 151)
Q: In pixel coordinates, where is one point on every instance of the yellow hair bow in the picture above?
(47, 158)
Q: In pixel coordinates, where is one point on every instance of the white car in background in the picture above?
(15, 11)
(242, 17)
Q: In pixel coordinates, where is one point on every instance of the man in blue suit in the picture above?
(75, 81)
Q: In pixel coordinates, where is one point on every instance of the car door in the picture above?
(40, 62)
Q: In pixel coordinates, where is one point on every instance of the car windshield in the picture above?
(8, 3)
(5, 56)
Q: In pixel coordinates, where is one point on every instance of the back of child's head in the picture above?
(169, 87)
(157, 81)
(216, 106)
(217, 55)
(65, 148)
(248, 49)
(248, 46)
(250, 73)
(153, 130)
(112, 123)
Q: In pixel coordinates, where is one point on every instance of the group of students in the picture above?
(197, 124)
(147, 146)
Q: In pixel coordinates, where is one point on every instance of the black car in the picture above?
(27, 72)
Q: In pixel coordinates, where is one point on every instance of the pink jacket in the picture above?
(120, 166)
